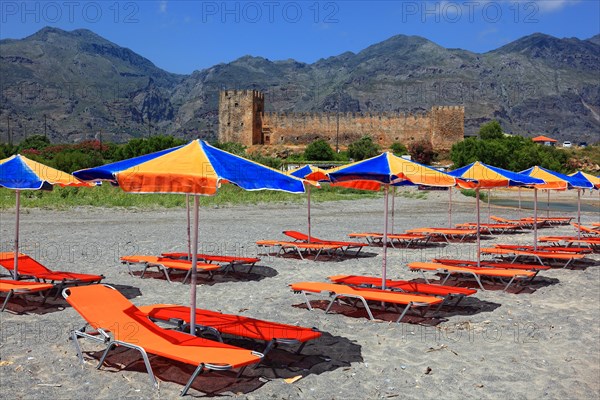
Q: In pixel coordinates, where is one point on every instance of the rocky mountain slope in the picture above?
(87, 86)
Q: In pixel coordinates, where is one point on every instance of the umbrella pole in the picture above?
(16, 260)
(519, 202)
(578, 213)
(385, 237)
(548, 205)
(535, 219)
(393, 208)
(189, 238)
(489, 208)
(449, 207)
(194, 272)
(478, 230)
(308, 197)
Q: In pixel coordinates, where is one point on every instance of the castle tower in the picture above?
(447, 126)
(240, 114)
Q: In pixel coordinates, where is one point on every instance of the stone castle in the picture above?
(242, 119)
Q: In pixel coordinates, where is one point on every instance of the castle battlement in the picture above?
(242, 119)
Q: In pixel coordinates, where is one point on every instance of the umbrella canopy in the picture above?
(484, 176)
(20, 173)
(594, 180)
(557, 181)
(317, 174)
(196, 168)
(388, 169)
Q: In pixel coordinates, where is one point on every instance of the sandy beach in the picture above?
(542, 342)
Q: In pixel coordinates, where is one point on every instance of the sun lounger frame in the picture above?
(101, 335)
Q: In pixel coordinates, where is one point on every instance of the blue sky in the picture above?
(183, 36)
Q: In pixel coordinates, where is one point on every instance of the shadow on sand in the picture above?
(324, 354)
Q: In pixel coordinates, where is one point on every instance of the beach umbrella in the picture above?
(388, 169)
(557, 181)
(316, 174)
(20, 173)
(197, 169)
(484, 176)
(595, 181)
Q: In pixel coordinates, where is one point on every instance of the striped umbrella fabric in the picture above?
(21, 173)
(198, 169)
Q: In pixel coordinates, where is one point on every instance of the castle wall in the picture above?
(242, 119)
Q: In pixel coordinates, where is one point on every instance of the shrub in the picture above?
(232, 147)
(398, 149)
(319, 150)
(422, 152)
(36, 142)
(363, 148)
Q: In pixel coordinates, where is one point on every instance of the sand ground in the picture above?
(541, 343)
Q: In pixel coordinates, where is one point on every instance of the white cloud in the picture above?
(162, 7)
(550, 5)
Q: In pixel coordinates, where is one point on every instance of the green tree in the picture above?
(422, 152)
(363, 148)
(319, 150)
(139, 147)
(398, 149)
(491, 130)
(514, 153)
(35, 142)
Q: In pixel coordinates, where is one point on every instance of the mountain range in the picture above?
(77, 85)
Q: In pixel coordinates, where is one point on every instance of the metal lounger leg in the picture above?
(307, 301)
(8, 296)
(478, 280)
(356, 297)
(408, 306)
(509, 283)
(131, 346)
(187, 386)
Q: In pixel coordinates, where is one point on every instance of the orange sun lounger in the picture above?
(166, 264)
(336, 291)
(446, 292)
(536, 255)
(490, 264)
(297, 247)
(406, 239)
(447, 233)
(104, 308)
(592, 243)
(28, 267)
(586, 231)
(229, 262)
(474, 272)
(16, 288)
(498, 229)
(301, 237)
(562, 249)
(518, 222)
(217, 323)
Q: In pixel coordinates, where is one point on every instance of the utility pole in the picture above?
(337, 125)
(8, 127)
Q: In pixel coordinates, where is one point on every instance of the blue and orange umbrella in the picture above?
(316, 174)
(557, 181)
(20, 173)
(483, 176)
(389, 170)
(197, 169)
